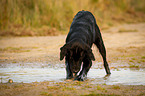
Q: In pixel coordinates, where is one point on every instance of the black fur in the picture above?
(77, 50)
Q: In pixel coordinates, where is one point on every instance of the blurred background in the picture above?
(54, 17)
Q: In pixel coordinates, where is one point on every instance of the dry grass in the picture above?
(53, 17)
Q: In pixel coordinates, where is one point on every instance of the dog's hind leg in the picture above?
(99, 43)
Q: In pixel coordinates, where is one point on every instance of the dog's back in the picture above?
(83, 27)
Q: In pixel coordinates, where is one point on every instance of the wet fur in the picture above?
(83, 33)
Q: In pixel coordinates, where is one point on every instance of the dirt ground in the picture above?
(125, 45)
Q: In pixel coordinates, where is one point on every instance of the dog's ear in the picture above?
(63, 51)
(89, 52)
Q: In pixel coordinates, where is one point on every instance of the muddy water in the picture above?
(28, 73)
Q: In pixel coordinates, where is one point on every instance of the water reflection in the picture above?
(48, 73)
(121, 76)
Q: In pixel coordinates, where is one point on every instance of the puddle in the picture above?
(48, 72)
(121, 76)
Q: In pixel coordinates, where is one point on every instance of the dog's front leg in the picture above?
(83, 74)
(68, 71)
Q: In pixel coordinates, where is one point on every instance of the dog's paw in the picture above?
(69, 77)
(80, 78)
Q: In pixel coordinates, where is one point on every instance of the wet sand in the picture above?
(125, 45)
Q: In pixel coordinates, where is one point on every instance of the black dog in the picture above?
(83, 33)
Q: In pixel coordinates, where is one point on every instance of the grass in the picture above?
(53, 87)
(88, 86)
(44, 93)
(62, 87)
(72, 87)
(143, 57)
(18, 86)
(68, 89)
(115, 87)
(78, 83)
(134, 66)
(4, 87)
(96, 94)
(49, 17)
(127, 30)
(100, 88)
(17, 49)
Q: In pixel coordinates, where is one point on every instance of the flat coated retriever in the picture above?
(83, 33)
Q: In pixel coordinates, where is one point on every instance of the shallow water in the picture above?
(47, 72)
(119, 76)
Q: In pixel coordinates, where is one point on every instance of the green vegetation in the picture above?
(52, 17)
(100, 88)
(115, 87)
(143, 57)
(4, 87)
(44, 93)
(134, 66)
(53, 88)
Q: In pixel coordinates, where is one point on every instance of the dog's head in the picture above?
(75, 53)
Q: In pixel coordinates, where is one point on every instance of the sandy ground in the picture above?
(125, 45)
